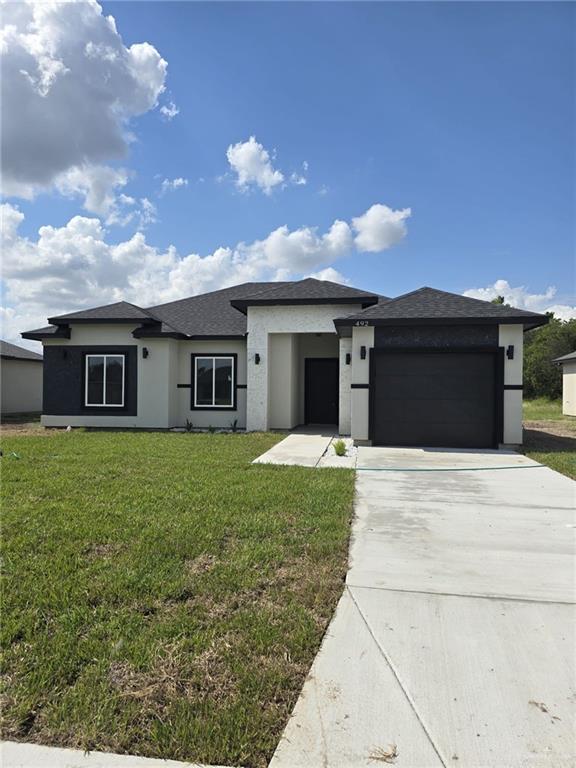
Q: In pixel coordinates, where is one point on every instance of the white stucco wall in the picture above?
(263, 321)
(361, 337)
(20, 386)
(512, 335)
(283, 380)
(155, 409)
(345, 397)
(161, 403)
(569, 388)
(206, 418)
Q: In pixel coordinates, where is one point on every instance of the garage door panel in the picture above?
(434, 398)
(398, 387)
(411, 411)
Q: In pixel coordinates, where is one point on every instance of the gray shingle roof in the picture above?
(209, 314)
(303, 291)
(121, 311)
(565, 358)
(432, 305)
(13, 352)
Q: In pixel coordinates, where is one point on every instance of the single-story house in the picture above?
(20, 379)
(427, 368)
(568, 363)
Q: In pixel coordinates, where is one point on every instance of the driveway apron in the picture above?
(453, 643)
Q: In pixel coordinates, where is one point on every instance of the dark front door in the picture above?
(321, 390)
(434, 398)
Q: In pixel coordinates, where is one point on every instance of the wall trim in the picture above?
(514, 386)
(359, 386)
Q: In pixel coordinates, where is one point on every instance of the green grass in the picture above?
(561, 461)
(161, 595)
(542, 409)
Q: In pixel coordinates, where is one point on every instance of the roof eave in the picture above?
(63, 332)
(242, 304)
(528, 323)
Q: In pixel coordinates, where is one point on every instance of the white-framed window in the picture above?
(104, 381)
(214, 381)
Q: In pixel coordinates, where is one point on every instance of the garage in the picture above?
(435, 397)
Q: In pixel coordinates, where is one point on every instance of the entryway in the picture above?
(321, 386)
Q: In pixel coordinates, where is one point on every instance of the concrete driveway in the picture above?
(453, 644)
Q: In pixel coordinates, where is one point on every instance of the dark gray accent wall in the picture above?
(64, 370)
(438, 336)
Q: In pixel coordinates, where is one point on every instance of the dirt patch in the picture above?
(549, 436)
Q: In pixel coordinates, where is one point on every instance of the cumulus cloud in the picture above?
(169, 111)
(330, 274)
(172, 184)
(69, 87)
(253, 167)
(521, 298)
(380, 228)
(74, 266)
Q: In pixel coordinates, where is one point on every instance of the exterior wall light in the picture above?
(362, 353)
(144, 352)
(256, 359)
(348, 358)
(510, 352)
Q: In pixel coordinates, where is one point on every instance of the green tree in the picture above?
(543, 378)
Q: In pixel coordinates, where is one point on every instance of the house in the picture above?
(568, 363)
(427, 368)
(20, 379)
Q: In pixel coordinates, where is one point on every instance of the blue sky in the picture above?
(462, 112)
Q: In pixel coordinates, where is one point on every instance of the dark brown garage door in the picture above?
(434, 398)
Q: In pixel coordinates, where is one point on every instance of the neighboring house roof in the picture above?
(307, 291)
(571, 356)
(429, 305)
(13, 352)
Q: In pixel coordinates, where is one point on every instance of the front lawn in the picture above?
(549, 436)
(543, 409)
(162, 596)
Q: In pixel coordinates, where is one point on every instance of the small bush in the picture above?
(234, 425)
(211, 429)
(189, 425)
(340, 448)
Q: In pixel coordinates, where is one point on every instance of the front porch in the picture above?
(304, 381)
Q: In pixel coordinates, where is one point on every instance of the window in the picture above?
(214, 381)
(104, 380)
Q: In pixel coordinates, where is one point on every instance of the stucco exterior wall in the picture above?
(206, 418)
(155, 409)
(263, 321)
(569, 389)
(513, 369)
(20, 386)
(360, 394)
(345, 396)
(283, 380)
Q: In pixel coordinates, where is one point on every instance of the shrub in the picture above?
(340, 448)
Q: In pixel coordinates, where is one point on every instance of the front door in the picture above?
(321, 390)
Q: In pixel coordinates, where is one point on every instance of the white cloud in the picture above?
(380, 228)
(69, 88)
(98, 184)
(169, 111)
(252, 165)
(521, 298)
(74, 266)
(330, 274)
(298, 180)
(172, 184)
